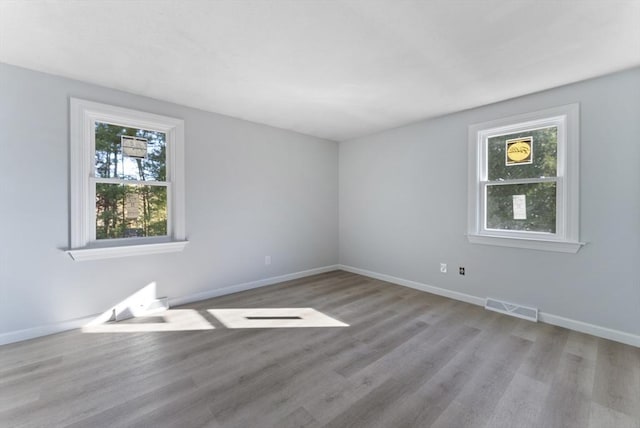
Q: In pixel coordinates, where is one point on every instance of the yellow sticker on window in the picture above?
(519, 151)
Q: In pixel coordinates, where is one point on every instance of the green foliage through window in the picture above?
(545, 156)
(540, 196)
(540, 207)
(136, 209)
(111, 162)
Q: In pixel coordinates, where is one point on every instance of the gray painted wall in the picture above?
(252, 191)
(403, 209)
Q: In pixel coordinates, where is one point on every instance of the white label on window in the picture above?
(131, 205)
(134, 147)
(519, 207)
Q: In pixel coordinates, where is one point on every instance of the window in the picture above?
(127, 182)
(523, 181)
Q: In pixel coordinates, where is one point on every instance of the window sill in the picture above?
(98, 253)
(532, 244)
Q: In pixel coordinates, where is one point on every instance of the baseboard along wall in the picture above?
(571, 324)
(583, 327)
(44, 330)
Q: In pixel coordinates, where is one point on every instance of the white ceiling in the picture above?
(333, 69)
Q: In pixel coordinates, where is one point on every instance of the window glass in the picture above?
(129, 153)
(130, 211)
(524, 207)
(533, 154)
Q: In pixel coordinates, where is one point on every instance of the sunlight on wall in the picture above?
(133, 305)
(274, 318)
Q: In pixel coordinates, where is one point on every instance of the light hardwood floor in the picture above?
(407, 359)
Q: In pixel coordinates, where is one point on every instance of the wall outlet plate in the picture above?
(443, 267)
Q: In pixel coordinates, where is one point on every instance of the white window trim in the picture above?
(83, 115)
(567, 221)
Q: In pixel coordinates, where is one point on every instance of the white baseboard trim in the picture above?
(592, 329)
(216, 292)
(417, 285)
(45, 330)
(571, 324)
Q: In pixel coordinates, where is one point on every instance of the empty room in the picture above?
(316, 213)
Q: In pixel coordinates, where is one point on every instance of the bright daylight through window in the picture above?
(523, 181)
(127, 182)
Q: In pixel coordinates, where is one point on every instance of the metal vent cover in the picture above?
(512, 309)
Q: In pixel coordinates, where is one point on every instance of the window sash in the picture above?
(525, 234)
(560, 122)
(169, 142)
(135, 240)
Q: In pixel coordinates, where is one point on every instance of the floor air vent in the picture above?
(512, 309)
(273, 318)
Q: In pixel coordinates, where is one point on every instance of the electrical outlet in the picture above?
(267, 260)
(443, 268)
(461, 270)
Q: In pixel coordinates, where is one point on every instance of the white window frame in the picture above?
(84, 246)
(566, 118)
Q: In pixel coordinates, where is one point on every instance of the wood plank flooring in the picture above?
(407, 359)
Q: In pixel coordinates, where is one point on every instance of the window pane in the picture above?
(541, 162)
(140, 155)
(130, 211)
(527, 207)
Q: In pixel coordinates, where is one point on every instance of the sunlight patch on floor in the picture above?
(274, 318)
(131, 306)
(170, 320)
